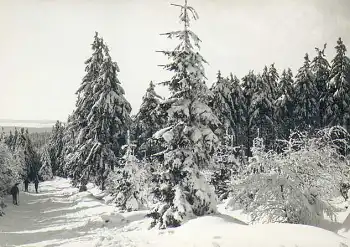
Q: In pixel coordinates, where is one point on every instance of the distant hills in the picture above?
(33, 126)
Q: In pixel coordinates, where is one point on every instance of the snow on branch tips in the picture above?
(294, 186)
(182, 191)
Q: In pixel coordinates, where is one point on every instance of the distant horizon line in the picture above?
(42, 121)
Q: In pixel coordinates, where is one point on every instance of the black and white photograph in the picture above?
(175, 123)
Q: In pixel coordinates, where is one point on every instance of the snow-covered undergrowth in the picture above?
(60, 216)
(296, 185)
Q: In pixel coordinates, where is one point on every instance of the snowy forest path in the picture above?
(56, 214)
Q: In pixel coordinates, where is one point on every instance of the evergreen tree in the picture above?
(101, 117)
(306, 104)
(67, 154)
(183, 191)
(2, 135)
(338, 110)
(126, 183)
(228, 104)
(259, 111)
(14, 142)
(273, 81)
(270, 79)
(45, 172)
(249, 88)
(147, 123)
(227, 165)
(222, 103)
(25, 153)
(238, 110)
(10, 171)
(321, 69)
(9, 140)
(56, 146)
(285, 104)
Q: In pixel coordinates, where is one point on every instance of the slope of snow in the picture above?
(60, 216)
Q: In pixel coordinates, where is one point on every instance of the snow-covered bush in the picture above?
(10, 169)
(128, 183)
(295, 185)
(10, 172)
(226, 165)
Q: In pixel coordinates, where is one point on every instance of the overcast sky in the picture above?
(43, 44)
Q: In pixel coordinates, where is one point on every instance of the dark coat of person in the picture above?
(26, 183)
(36, 183)
(15, 194)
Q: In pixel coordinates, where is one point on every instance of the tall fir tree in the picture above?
(249, 88)
(55, 147)
(182, 190)
(45, 171)
(147, 123)
(67, 154)
(26, 154)
(102, 115)
(338, 110)
(8, 140)
(285, 105)
(222, 103)
(306, 105)
(321, 70)
(270, 79)
(259, 110)
(2, 135)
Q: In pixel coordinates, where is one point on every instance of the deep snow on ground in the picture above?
(60, 216)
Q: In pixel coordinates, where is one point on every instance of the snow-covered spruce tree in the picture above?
(259, 109)
(183, 191)
(147, 123)
(45, 172)
(39, 140)
(9, 140)
(306, 111)
(128, 182)
(12, 141)
(321, 69)
(227, 163)
(338, 107)
(2, 135)
(10, 172)
(249, 88)
(56, 146)
(101, 116)
(79, 148)
(238, 110)
(227, 103)
(284, 105)
(296, 185)
(25, 153)
(222, 103)
(68, 141)
(270, 78)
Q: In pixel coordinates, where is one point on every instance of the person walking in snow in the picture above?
(36, 183)
(15, 194)
(26, 183)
